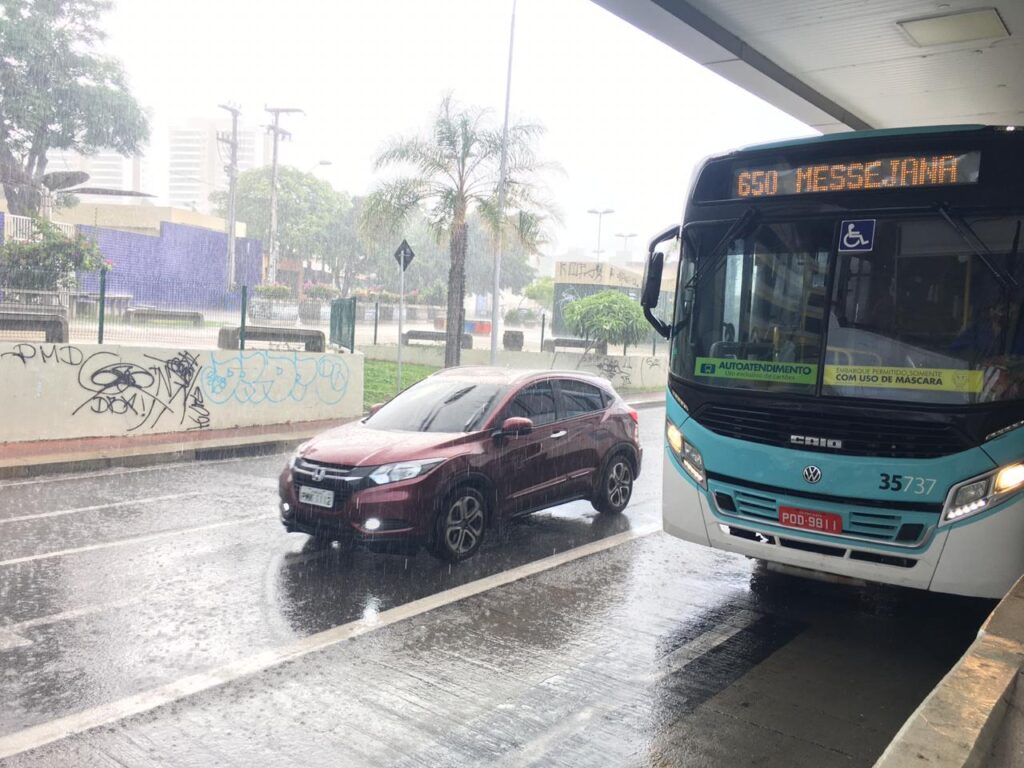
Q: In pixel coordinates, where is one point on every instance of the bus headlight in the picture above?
(687, 454)
(979, 493)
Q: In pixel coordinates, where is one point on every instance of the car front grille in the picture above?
(860, 434)
(333, 477)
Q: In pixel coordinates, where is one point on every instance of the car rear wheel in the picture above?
(615, 485)
(460, 525)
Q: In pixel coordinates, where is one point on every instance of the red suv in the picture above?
(449, 456)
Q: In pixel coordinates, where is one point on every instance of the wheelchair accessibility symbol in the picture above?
(857, 236)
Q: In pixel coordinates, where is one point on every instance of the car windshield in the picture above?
(929, 312)
(439, 405)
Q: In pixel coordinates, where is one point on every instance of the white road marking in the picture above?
(133, 540)
(705, 642)
(74, 613)
(105, 714)
(9, 640)
(97, 507)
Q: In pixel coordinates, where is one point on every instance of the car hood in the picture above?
(358, 445)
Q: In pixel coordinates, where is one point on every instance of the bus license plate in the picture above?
(820, 522)
(318, 497)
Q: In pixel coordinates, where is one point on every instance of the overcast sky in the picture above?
(363, 71)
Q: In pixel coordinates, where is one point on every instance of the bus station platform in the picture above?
(633, 649)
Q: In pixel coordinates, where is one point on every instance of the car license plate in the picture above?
(318, 497)
(820, 522)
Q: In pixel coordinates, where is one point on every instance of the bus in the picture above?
(846, 378)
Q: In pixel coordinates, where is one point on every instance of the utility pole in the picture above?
(502, 184)
(232, 169)
(278, 133)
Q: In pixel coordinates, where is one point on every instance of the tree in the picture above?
(49, 261)
(609, 316)
(58, 93)
(453, 171)
(313, 219)
(542, 291)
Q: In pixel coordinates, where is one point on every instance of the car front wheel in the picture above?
(615, 486)
(460, 525)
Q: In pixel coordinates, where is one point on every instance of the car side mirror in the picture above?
(515, 427)
(375, 407)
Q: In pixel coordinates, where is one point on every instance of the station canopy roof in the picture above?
(842, 64)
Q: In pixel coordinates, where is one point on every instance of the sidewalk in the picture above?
(25, 459)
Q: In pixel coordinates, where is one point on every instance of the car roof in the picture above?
(513, 376)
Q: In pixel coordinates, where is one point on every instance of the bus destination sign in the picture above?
(886, 172)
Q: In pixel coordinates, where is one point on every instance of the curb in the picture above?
(169, 453)
(164, 454)
(972, 718)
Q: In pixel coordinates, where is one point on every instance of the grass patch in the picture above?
(381, 377)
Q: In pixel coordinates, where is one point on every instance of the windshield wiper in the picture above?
(457, 394)
(976, 244)
(740, 228)
(478, 412)
(435, 412)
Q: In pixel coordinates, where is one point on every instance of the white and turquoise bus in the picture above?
(846, 387)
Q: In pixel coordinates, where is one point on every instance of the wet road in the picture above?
(121, 590)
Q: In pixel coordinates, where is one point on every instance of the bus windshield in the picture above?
(922, 309)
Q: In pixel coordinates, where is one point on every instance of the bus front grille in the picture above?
(859, 435)
(871, 525)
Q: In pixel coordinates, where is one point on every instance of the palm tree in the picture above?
(453, 171)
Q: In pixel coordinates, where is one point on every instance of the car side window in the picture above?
(579, 398)
(535, 402)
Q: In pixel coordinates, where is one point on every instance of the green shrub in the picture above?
(320, 291)
(273, 291)
(609, 316)
(49, 262)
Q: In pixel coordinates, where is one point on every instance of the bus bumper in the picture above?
(971, 558)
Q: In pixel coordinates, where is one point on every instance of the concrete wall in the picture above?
(59, 391)
(624, 372)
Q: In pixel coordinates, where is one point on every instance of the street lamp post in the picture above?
(600, 215)
(625, 241)
(502, 197)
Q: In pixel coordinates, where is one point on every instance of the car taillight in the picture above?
(634, 416)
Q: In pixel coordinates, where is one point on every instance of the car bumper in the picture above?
(970, 558)
(399, 511)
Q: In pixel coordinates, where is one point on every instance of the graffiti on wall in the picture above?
(85, 390)
(158, 388)
(268, 376)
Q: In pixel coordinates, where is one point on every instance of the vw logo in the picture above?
(319, 472)
(812, 474)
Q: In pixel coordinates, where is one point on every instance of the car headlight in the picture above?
(298, 452)
(404, 470)
(979, 493)
(687, 454)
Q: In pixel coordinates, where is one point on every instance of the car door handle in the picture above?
(560, 433)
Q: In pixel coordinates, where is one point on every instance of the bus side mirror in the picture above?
(652, 280)
(652, 290)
